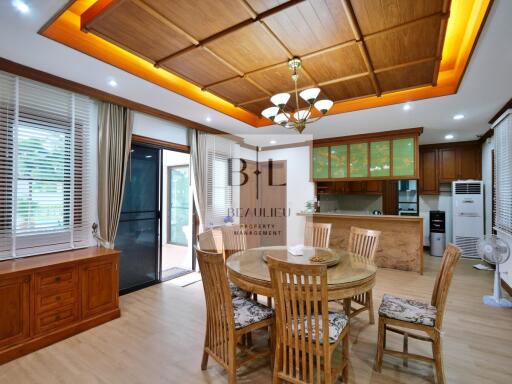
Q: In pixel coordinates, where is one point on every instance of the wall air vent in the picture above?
(468, 188)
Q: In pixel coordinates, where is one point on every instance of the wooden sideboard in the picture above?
(44, 299)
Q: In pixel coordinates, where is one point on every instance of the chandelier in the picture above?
(295, 117)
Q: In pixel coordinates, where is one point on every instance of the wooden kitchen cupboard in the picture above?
(44, 299)
(444, 163)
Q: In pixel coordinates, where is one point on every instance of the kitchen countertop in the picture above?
(359, 215)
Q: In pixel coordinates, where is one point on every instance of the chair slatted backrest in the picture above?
(443, 281)
(209, 242)
(300, 297)
(317, 235)
(220, 323)
(233, 238)
(363, 242)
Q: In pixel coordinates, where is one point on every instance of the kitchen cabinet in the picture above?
(370, 187)
(390, 155)
(429, 180)
(444, 163)
(320, 162)
(459, 163)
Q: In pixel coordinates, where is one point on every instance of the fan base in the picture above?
(493, 302)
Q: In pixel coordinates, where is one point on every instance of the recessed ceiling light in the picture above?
(458, 117)
(112, 83)
(448, 137)
(407, 106)
(273, 142)
(21, 6)
(208, 119)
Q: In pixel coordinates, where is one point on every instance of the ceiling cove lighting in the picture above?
(448, 137)
(295, 117)
(460, 116)
(21, 6)
(407, 106)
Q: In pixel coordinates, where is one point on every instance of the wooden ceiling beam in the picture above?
(356, 30)
(407, 64)
(411, 23)
(233, 29)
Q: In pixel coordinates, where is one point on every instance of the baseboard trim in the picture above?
(506, 287)
(35, 343)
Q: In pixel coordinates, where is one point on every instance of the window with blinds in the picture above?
(503, 156)
(45, 168)
(220, 193)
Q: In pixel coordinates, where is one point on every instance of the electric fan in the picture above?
(495, 251)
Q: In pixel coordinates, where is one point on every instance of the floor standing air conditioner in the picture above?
(468, 215)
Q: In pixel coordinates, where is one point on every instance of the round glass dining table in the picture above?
(353, 275)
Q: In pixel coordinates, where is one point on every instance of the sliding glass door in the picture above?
(138, 232)
(178, 204)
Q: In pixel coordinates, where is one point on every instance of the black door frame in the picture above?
(158, 255)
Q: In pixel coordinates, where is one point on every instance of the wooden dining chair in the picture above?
(307, 333)
(233, 239)
(363, 242)
(317, 235)
(228, 319)
(209, 242)
(412, 314)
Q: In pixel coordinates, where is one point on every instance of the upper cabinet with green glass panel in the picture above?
(339, 161)
(320, 162)
(403, 157)
(380, 164)
(388, 158)
(358, 164)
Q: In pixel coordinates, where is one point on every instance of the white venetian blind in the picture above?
(220, 193)
(45, 168)
(503, 156)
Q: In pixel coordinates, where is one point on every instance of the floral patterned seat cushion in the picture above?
(248, 312)
(238, 292)
(337, 323)
(409, 310)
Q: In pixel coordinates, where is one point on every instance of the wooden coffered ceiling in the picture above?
(238, 50)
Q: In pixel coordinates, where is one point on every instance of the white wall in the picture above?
(299, 188)
(160, 129)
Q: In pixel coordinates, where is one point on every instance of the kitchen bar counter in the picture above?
(401, 242)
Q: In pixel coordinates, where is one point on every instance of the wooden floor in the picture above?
(159, 339)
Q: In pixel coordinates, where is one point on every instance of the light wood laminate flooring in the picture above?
(159, 339)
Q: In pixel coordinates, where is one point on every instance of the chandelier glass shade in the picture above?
(295, 117)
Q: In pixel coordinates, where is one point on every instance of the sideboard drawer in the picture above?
(54, 319)
(56, 280)
(51, 301)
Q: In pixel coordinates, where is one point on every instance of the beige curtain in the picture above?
(115, 124)
(199, 160)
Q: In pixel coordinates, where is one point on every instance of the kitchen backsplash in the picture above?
(350, 203)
